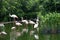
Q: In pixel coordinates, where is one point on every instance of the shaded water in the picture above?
(49, 37)
(13, 35)
(26, 36)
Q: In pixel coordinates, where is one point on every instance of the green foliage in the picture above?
(19, 7)
(50, 21)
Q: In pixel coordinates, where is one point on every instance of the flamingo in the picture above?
(31, 22)
(17, 23)
(36, 37)
(3, 32)
(24, 21)
(36, 25)
(13, 16)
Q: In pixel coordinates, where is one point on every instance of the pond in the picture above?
(26, 36)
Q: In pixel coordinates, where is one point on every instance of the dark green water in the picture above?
(26, 36)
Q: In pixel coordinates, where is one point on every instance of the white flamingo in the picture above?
(36, 25)
(31, 22)
(24, 21)
(13, 16)
(17, 23)
(3, 32)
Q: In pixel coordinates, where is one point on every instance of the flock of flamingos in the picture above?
(19, 23)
